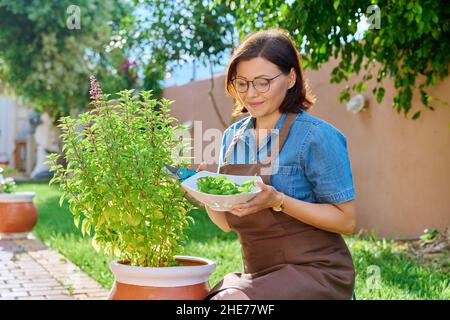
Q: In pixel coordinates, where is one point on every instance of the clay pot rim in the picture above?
(17, 197)
(164, 276)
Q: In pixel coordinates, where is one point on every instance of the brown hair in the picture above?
(276, 46)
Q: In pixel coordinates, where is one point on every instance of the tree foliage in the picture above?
(41, 59)
(174, 32)
(410, 44)
(47, 62)
(178, 30)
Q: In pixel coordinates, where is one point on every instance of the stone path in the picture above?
(29, 270)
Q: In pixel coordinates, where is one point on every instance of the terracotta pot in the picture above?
(18, 214)
(186, 282)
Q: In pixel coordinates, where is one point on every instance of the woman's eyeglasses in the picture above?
(260, 84)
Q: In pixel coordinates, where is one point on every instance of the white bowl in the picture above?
(220, 202)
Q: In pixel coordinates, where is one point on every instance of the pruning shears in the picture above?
(180, 173)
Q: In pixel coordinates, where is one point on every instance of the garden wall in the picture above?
(401, 168)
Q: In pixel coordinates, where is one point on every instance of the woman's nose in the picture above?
(252, 91)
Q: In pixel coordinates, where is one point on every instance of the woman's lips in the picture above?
(255, 104)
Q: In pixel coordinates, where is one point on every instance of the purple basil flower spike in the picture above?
(95, 90)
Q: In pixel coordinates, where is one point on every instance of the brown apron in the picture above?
(284, 258)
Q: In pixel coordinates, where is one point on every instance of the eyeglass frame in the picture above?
(253, 83)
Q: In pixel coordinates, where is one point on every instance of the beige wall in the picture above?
(401, 168)
(193, 103)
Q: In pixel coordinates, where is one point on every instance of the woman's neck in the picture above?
(268, 121)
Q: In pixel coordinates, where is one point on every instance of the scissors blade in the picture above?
(173, 172)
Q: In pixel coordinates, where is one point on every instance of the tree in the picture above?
(409, 39)
(49, 49)
(175, 31)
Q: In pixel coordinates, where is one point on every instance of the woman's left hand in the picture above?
(267, 198)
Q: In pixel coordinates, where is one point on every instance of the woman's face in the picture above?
(263, 104)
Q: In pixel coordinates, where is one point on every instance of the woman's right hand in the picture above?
(202, 166)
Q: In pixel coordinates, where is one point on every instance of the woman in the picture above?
(290, 232)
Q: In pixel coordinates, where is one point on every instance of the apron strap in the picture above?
(234, 141)
(284, 132)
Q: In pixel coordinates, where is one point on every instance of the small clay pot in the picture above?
(18, 214)
(186, 282)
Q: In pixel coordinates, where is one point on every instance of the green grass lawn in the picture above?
(400, 276)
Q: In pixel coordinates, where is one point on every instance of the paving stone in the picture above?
(29, 270)
(11, 294)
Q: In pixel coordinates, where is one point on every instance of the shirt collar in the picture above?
(250, 122)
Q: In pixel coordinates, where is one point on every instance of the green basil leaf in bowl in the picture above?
(222, 185)
(221, 191)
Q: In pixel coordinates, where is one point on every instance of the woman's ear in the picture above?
(292, 78)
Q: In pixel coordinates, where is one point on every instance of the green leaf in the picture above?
(418, 9)
(429, 234)
(76, 221)
(323, 49)
(435, 17)
(85, 227)
(336, 4)
(361, 87)
(344, 95)
(380, 94)
(416, 115)
(61, 199)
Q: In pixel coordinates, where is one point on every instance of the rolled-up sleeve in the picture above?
(327, 165)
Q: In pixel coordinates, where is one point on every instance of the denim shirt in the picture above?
(313, 164)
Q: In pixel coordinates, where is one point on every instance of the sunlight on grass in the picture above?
(383, 270)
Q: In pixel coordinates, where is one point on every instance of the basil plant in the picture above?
(114, 181)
